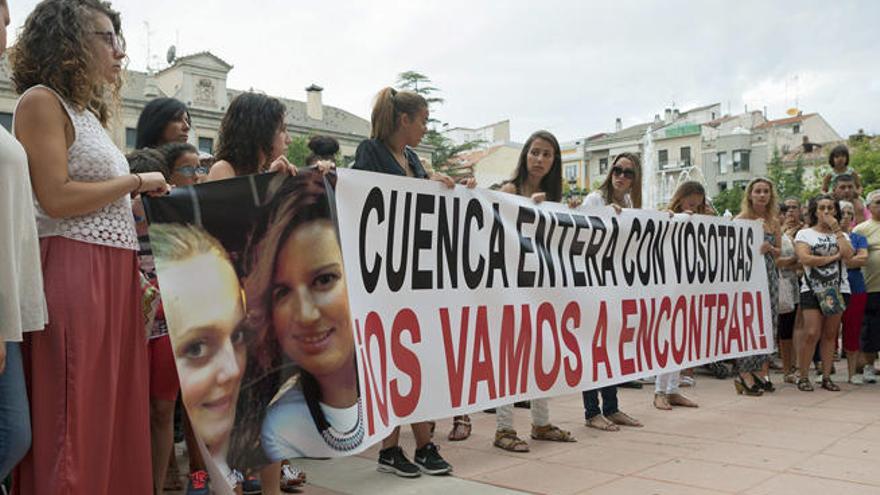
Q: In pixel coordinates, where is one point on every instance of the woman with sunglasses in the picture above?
(622, 188)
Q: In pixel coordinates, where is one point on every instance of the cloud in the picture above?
(570, 67)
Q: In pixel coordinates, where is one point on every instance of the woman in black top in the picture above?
(400, 120)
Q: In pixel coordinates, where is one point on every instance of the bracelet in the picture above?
(140, 182)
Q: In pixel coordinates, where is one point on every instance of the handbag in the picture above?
(831, 301)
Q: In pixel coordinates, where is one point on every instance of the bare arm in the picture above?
(846, 250)
(221, 170)
(859, 259)
(807, 259)
(43, 128)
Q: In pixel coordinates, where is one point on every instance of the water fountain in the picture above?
(649, 172)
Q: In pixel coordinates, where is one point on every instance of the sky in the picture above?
(571, 67)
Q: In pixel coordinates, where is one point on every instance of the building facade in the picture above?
(199, 81)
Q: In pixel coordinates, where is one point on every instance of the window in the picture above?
(722, 186)
(663, 158)
(6, 120)
(723, 162)
(740, 160)
(796, 129)
(713, 115)
(206, 145)
(685, 156)
(603, 166)
(130, 137)
(571, 172)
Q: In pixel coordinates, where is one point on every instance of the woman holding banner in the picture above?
(822, 248)
(688, 199)
(254, 139)
(622, 188)
(87, 370)
(538, 176)
(760, 203)
(399, 122)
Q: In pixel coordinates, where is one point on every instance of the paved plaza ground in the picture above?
(788, 442)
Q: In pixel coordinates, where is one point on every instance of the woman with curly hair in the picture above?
(87, 371)
(253, 138)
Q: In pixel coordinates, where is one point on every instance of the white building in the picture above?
(488, 135)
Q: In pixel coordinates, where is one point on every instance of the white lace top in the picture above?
(92, 158)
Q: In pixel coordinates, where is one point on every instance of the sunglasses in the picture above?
(626, 172)
(189, 171)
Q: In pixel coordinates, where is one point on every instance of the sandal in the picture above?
(461, 428)
(623, 419)
(600, 422)
(804, 385)
(551, 433)
(661, 403)
(507, 440)
(827, 384)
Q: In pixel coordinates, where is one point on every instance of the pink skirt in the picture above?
(87, 377)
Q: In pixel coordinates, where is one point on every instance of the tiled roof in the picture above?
(785, 121)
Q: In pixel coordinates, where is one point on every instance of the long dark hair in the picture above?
(248, 128)
(813, 205)
(551, 184)
(155, 117)
(292, 201)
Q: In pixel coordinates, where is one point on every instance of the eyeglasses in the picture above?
(189, 171)
(111, 38)
(626, 172)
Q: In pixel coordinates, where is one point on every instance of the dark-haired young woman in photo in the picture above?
(87, 370)
(399, 121)
(622, 188)
(538, 176)
(823, 248)
(254, 139)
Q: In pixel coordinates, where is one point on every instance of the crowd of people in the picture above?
(87, 400)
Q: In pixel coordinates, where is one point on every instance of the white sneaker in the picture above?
(686, 381)
(857, 380)
(869, 375)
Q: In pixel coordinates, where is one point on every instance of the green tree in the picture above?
(299, 150)
(729, 199)
(789, 182)
(864, 157)
(444, 148)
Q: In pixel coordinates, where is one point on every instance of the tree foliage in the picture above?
(444, 148)
(864, 157)
(729, 199)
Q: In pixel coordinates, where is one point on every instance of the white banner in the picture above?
(467, 299)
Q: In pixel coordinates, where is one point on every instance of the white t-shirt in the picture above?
(289, 430)
(22, 303)
(596, 198)
(822, 277)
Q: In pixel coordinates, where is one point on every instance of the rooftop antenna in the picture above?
(149, 55)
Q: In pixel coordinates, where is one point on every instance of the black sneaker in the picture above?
(393, 460)
(430, 462)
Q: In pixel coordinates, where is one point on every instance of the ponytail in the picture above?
(389, 105)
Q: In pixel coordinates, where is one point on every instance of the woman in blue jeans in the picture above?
(23, 306)
(622, 189)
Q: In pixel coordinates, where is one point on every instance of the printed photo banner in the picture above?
(304, 327)
(467, 299)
